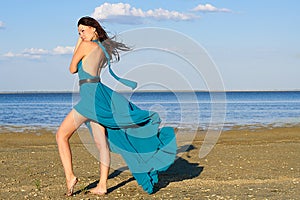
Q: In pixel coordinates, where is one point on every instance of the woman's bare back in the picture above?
(94, 60)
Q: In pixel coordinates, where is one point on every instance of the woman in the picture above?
(116, 124)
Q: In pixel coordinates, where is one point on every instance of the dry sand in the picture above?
(245, 164)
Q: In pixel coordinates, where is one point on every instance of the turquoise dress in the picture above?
(131, 132)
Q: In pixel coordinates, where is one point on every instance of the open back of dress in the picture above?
(94, 61)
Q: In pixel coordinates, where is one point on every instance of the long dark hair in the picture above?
(111, 45)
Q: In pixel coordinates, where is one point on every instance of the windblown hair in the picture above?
(111, 45)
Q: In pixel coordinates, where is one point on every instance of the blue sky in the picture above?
(254, 44)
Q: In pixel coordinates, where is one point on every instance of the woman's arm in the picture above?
(78, 43)
(79, 53)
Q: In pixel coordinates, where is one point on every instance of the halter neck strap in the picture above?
(129, 83)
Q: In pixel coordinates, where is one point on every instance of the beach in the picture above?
(246, 163)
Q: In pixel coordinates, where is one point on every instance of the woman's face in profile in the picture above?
(86, 33)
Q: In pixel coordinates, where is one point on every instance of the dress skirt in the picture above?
(133, 133)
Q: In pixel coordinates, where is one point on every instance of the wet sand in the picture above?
(259, 163)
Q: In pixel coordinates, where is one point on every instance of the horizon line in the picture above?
(131, 91)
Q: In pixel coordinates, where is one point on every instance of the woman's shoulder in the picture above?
(89, 44)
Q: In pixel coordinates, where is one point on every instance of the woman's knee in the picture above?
(64, 132)
(69, 125)
(61, 136)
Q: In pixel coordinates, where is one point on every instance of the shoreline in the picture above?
(130, 91)
(39, 129)
(244, 164)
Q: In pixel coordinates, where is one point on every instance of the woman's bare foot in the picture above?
(100, 189)
(70, 185)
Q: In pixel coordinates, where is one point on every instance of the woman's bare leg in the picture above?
(70, 124)
(102, 145)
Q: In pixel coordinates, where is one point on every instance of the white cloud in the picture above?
(59, 50)
(31, 53)
(38, 53)
(35, 51)
(209, 8)
(9, 54)
(21, 55)
(1, 25)
(126, 14)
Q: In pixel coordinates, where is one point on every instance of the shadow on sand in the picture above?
(180, 170)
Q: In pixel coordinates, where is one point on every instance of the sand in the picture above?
(261, 163)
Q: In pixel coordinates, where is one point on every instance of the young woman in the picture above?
(116, 124)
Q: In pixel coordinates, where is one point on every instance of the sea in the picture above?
(204, 110)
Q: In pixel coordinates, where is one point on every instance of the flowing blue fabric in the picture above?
(126, 82)
(132, 132)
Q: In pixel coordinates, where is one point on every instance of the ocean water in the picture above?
(180, 109)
